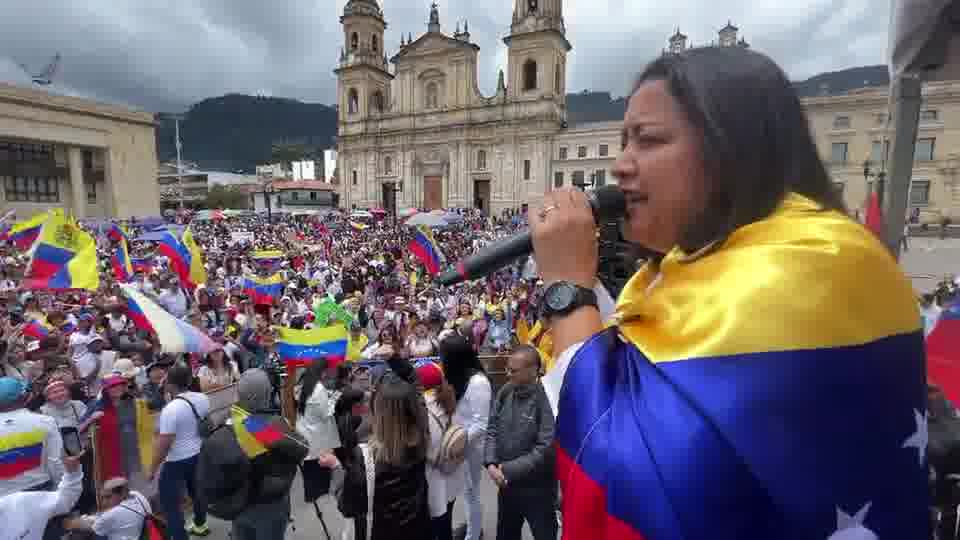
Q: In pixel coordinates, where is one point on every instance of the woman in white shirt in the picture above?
(316, 422)
(473, 392)
(444, 486)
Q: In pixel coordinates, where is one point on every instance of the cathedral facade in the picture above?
(414, 129)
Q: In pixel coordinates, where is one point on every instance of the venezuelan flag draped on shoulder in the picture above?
(772, 387)
(63, 257)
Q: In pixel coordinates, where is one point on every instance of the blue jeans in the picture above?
(174, 477)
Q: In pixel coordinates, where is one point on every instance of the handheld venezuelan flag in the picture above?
(117, 233)
(63, 257)
(174, 335)
(302, 347)
(264, 291)
(173, 249)
(198, 272)
(720, 408)
(425, 247)
(144, 264)
(943, 352)
(120, 262)
(36, 329)
(20, 452)
(22, 235)
(256, 434)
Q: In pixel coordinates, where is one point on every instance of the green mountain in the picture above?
(236, 132)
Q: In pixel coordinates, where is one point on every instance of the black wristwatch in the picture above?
(562, 297)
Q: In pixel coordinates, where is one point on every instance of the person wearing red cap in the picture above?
(445, 484)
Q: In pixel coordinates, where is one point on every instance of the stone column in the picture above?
(77, 189)
(109, 200)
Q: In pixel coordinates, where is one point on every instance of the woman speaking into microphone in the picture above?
(763, 376)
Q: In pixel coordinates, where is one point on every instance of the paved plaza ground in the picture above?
(930, 259)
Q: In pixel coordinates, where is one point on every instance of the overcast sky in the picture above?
(163, 56)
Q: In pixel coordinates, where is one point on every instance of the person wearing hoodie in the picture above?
(247, 467)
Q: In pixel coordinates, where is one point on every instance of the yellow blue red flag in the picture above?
(198, 272)
(773, 387)
(63, 257)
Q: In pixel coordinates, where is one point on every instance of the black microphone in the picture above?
(608, 204)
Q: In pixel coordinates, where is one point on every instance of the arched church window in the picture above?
(530, 75)
(388, 165)
(376, 102)
(433, 96)
(353, 101)
(532, 6)
(481, 160)
(354, 41)
(375, 44)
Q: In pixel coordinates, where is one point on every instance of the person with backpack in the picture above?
(519, 454)
(247, 467)
(124, 515)
(181, 429)
(446, 452)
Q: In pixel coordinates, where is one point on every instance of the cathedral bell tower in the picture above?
(363, 80)
(537, 50)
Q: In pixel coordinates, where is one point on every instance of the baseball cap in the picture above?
(11, 390)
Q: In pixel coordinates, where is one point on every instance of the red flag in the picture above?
(874, 219)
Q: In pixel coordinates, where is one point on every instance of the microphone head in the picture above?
(608, 203)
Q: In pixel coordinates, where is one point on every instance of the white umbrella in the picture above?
(430, 220)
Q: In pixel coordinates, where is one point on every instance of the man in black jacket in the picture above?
(247, 467)
(519, 453)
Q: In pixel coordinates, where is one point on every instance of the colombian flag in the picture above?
(771, 387)
(36, 330)
(20, 452)
(64, 257)
(22, 235)
(301, 347)
(426, 249)
(256, 434)
(264, 291)
(120, 261)
(198, 272)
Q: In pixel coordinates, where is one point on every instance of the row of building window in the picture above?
(41, 189)
(923, 151)
(919, 191)
(602, 151)
(25, 152)
(843, 121)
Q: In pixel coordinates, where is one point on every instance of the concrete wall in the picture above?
(126, 139)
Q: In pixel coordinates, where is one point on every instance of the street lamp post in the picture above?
(268, 191)
(879, 176)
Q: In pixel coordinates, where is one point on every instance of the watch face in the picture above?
(559, 296)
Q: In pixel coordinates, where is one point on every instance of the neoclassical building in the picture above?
(414, 129)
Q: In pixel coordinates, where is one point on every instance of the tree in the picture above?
(226, 197)
(286, 153)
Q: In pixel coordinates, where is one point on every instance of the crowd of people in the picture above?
(411, 400)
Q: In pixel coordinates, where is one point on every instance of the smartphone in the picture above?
(72, 445)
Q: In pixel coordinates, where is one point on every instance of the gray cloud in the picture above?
(163, 56)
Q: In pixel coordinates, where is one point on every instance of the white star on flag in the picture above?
(920, 437)
(852, 527)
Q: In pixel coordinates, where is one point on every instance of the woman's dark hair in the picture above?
(757, 145)
(460, 362)
(312, 376)
(180, 376)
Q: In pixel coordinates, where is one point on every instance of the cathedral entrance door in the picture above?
(432, 192)
(389, 198)
(481, 195)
